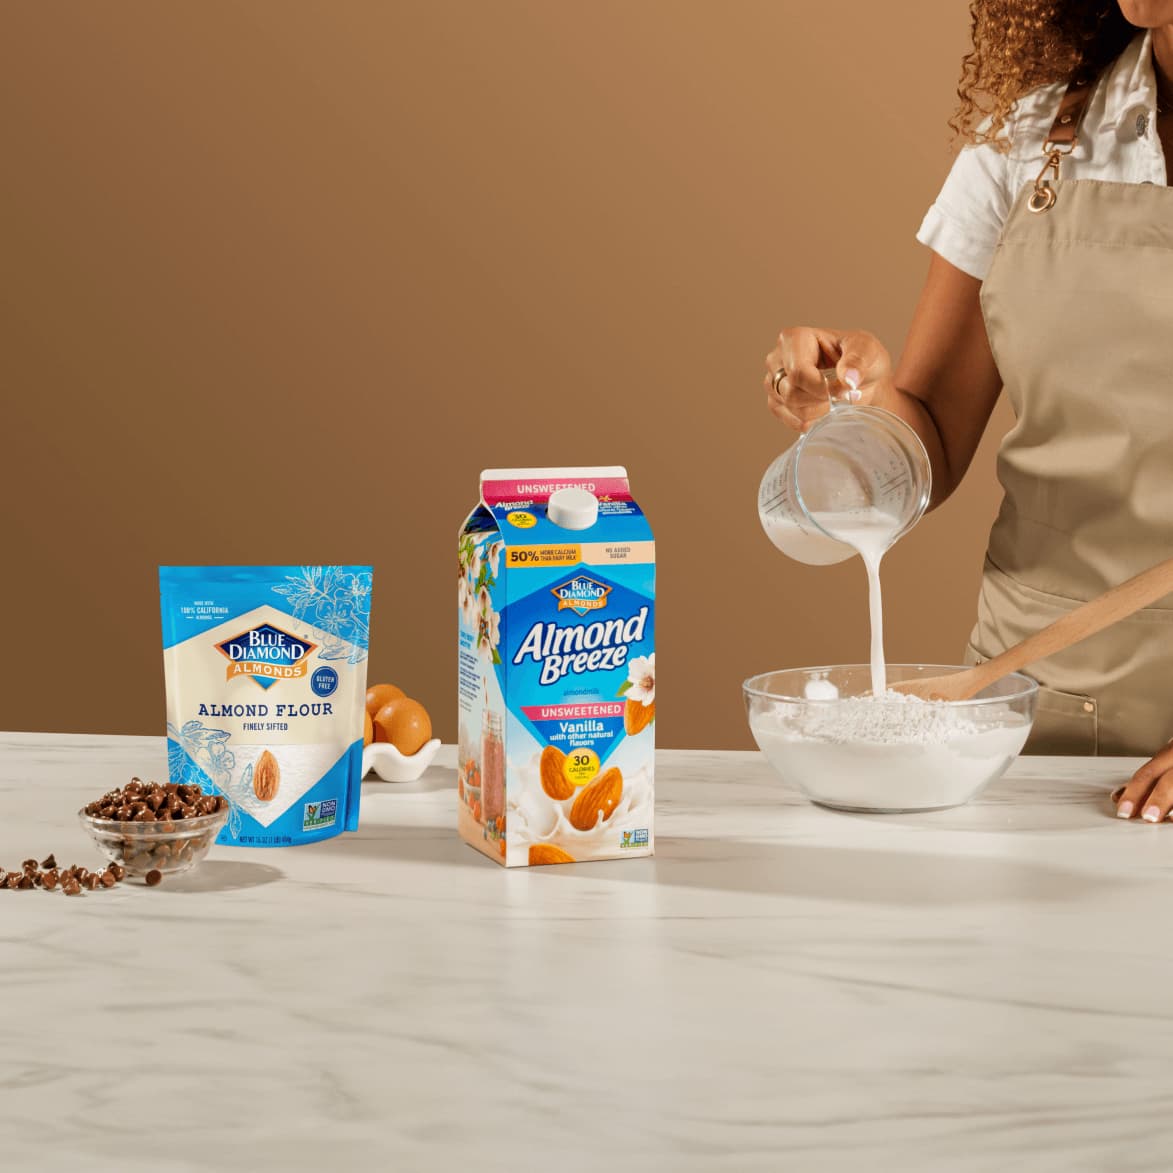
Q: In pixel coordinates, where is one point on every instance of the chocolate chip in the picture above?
(118, 870)
(50, 879)
(108, 879)
(25, 882)
(49, 861)
(153, 877)
(70, 886)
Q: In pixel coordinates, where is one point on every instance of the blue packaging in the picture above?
(266, 676)
(557, 665)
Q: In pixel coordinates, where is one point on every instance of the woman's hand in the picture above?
(800, 397)
(1150, 791)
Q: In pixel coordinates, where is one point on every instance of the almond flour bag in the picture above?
(266, 671)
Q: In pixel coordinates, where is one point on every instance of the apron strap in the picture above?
(1071, 110)
(1061, 138)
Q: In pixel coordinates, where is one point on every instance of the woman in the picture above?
(1061, 291)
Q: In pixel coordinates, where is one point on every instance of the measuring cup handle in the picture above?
(830, 378)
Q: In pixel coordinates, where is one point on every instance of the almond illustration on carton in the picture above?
(637, 716)
(266, 777)
(600, 797)
(543, 853)
(554, 780)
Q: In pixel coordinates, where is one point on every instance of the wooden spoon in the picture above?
(1112, 606)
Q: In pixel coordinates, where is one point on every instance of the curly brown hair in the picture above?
(1021, 44)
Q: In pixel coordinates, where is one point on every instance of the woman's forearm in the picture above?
(946, 383)
(916, 414)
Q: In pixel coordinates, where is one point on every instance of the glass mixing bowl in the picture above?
(852, 752)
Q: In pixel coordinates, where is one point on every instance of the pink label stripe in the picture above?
(572, 712)
(539, 490)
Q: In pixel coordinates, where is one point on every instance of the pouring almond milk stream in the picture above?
(855, 483)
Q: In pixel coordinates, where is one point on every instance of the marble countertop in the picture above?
(781, 987)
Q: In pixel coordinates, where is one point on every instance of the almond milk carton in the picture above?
(557, 668)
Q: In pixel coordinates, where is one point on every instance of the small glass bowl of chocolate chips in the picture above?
(151, 827)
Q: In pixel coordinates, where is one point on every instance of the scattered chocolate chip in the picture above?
(25, 882)
(50, 879)
(153, 877)
(118, 870)
(108, 879)
(49, 862)
(70, 886)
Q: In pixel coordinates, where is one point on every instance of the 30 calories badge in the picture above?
(266, 654)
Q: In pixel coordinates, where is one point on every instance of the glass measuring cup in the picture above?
(857, 468)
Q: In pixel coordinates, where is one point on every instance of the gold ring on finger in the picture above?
(779, 375)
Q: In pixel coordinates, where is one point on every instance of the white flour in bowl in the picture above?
(894, 753)
(899, 719)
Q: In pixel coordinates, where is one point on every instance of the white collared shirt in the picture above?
(1118, 141)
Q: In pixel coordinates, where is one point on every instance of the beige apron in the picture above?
(1078, 305)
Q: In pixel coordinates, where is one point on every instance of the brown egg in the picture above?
(379, 695)
(368, 729)
(405, 724)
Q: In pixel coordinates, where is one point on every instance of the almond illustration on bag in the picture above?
(266, 777)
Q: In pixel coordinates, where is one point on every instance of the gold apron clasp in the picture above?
(1043, 196)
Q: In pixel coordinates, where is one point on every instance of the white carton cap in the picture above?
(573, 508)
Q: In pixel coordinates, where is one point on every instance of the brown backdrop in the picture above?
(248, 242)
